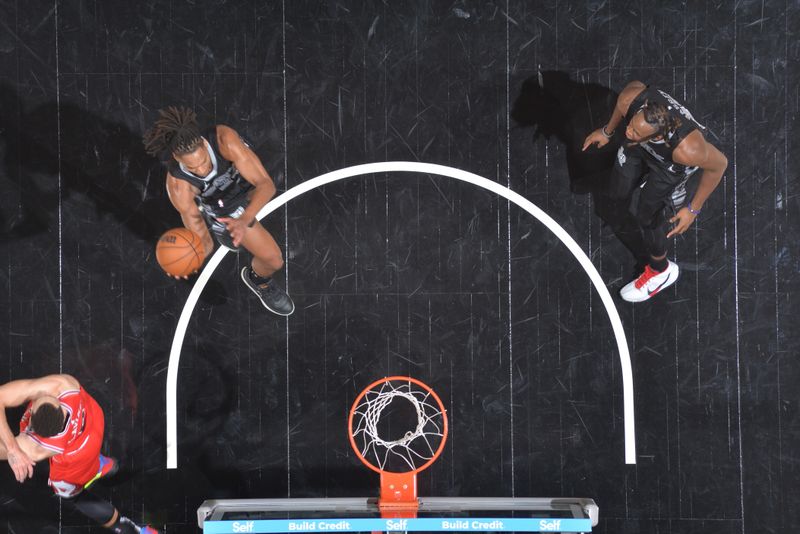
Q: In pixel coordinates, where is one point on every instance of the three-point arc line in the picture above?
(425, 168)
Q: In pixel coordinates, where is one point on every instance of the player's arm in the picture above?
(33, 450)
(250, 167)
(17, 393)
(181, 193)
(598, 137)
(695, 151)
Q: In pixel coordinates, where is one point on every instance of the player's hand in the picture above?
(236, 227)
(185, 277)
(596, 138)
(20, 464)
(684, 219)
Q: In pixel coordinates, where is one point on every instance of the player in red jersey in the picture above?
(64, 424)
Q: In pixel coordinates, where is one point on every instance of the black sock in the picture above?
(258, 279)
(659, 265)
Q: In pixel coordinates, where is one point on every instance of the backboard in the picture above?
(434, 514)
(397, 427)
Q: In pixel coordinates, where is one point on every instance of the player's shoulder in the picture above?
(181, 192)
(56, 384)
(633, 89)
(68, 381)
(175, 181)
(226, 134)
(692, 150)
(230, 143)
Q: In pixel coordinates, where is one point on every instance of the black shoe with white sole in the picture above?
(271, 296)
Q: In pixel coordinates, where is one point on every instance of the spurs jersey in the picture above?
(223, 191)
(661, 150)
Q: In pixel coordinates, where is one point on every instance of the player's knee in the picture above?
(275, 262)
(648, 220)
(644, 222)
(620, 187)
(268, 264)
(92, 506)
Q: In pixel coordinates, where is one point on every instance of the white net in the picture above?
(418, 440)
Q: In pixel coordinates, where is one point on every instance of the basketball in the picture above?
(180, 252)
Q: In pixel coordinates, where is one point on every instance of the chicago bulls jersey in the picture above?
(77, 403)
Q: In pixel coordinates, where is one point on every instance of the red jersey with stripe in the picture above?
(78, 445)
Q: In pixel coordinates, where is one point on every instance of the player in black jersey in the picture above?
(216, 182)
(665, 146)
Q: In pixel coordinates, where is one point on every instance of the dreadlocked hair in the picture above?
(175, 130)
(47, 420)
(658, 116)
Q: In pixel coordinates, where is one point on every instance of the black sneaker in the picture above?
(272, 297)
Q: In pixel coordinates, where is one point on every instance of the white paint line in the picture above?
(425, 168)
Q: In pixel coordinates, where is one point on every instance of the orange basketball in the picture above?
(180, 252)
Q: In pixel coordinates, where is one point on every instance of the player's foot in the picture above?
(650, 283)
(127, 526)
(272, 297)
(108, 468)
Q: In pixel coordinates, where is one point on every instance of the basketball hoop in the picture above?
(398, 455)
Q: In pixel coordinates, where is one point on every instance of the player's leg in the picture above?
(267, 259)
(90, 465)
(627, 172)
(613, 198)
(650, 211)
(614, 212)
(219, 231)
(651, 215)
(108, 468)
(267, 256)
(100, 511)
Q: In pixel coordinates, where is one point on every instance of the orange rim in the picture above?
(399, 379)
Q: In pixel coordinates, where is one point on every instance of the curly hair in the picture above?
(658, 116)
(175, 130)
(47, 420)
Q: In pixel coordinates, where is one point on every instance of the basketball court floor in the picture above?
(681, 418)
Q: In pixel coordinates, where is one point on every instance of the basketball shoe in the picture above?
(127, 526)
(271, 296)
(108, 468)
(650, 283)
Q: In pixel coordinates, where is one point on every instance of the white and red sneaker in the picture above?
(650, 283)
